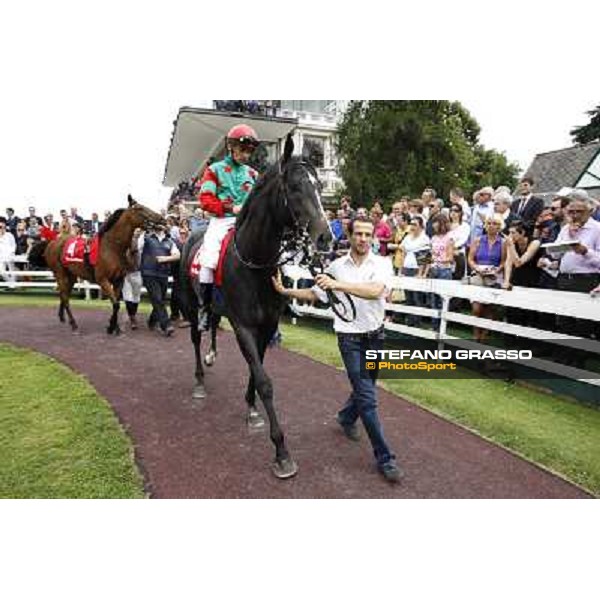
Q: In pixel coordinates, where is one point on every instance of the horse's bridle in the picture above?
(297, 235)
(299, 241)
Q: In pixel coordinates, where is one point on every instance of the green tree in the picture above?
(388, 148)
(590, 132)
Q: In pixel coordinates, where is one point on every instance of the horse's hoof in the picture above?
(199, 392)
(284, 469)
(255, 421)
(210, 358)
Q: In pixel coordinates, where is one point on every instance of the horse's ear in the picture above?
(130, 200)
(288, 149)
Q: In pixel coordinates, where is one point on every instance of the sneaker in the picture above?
(351, 431)
(169, 331)
(391, 472)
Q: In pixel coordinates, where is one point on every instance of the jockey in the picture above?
(224, 188)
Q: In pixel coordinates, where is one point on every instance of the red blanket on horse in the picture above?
(73, 251)
(94, 250)
(195, 265)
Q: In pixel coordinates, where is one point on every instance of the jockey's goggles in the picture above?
(246, 142)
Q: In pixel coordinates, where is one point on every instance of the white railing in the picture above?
(45, 279)
(567, 304)
(556, 302)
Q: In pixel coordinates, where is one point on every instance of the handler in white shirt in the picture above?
(367, 277)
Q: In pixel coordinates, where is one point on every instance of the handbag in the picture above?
(485, 280)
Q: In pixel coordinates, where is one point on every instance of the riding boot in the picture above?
(204, 307)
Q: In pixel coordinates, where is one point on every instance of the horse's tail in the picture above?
(36, 256)
(186, 291)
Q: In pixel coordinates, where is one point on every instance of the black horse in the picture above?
(284, 210)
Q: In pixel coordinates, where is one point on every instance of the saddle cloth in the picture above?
(94, 250)
(73, 251)
(195, 265)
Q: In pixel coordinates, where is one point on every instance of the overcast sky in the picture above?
(89, 99)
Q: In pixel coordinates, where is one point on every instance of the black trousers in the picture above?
(175, 294)
(157, 291)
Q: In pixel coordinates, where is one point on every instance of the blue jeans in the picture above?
(435, 300)
(363, 399)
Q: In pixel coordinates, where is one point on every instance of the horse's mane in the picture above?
(265, 181)
(110, 222)
(262, 185)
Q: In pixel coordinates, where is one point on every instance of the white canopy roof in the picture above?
(200, 133)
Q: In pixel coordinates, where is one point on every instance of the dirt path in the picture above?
(185, 452)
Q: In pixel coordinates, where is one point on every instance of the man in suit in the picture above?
(11, 220)
(527, 207)
(92, 226)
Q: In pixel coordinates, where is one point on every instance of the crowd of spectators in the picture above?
(253, 107)
(496, 240)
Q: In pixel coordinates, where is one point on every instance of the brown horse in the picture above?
(112, 265)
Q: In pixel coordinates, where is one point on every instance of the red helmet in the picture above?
(244, 134)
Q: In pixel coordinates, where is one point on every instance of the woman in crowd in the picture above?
(414, 243)
(522, 257)
(487, 256)
(22, 241)
(442, 258)
(382, 233)
(521, 268)
(400, 232)
(460, 233)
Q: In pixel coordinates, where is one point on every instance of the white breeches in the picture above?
(132, 287)
(217, 229)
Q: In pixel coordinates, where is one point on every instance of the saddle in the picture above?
(195, 265)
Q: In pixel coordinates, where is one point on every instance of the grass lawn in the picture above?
(58, 437)
(558, 434)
